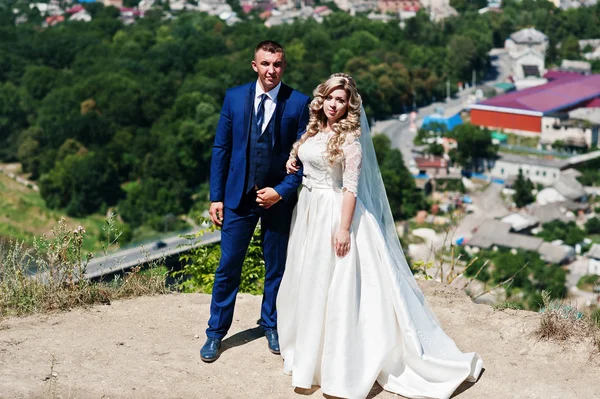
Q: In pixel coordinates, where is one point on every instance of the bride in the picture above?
(349, 309)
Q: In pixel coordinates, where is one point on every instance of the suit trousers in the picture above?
(236, 233)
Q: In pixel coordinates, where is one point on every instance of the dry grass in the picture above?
(49, 274)
(561, 322)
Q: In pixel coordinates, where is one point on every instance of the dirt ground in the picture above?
(148, 348)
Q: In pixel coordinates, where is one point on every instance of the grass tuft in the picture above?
(49, 275)
(560, 322)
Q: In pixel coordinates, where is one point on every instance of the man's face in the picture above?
(270, 67)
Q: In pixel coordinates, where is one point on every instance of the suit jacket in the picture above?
(229, 162)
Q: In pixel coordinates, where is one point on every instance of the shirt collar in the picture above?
(272, 94)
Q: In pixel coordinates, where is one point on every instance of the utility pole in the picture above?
(474, 79)
(447, 90)
(414, 107)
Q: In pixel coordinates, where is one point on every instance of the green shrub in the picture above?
(198, 275)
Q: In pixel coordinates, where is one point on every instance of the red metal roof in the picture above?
(75, 9)
(555, 75)
(554, 96)
(433, 162)
(595, 103)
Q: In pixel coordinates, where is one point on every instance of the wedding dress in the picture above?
(345, 323)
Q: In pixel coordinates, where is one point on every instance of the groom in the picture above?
(259, 123)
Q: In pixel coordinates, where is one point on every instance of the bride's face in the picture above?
(335, 105)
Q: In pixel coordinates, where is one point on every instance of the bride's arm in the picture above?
(352, 163)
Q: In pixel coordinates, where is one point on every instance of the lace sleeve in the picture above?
(352, 163)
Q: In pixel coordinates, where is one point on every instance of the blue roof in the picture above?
(86, 1)
(450, 122)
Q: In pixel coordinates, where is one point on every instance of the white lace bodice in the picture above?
(317, 172)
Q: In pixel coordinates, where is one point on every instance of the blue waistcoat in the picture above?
(259, 154)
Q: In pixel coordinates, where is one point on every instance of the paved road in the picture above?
(400, 133)
(128, 258)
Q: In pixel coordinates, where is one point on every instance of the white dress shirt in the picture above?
(270, 103)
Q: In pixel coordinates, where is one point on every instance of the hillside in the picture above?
(24, 215)
(148, 348)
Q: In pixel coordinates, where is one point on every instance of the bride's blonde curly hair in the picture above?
(348, 125)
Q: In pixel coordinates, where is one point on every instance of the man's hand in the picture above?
(216, 213)
(267, 197)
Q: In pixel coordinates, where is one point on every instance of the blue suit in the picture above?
(229, 176)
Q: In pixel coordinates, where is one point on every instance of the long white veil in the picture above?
(371, 192)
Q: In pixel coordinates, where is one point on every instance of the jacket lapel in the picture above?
(281, 101)
(248, 109)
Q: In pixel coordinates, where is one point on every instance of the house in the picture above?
(53, 20)
(323, 11)
(590, 116)
(569, 132)
(82, 16)
(583, 67)
(433, 166)
(113, 3)
(527, 63)
(439, 13)
(520, 223)
(592, 48)
(528, 38)
(549, 212)
(47, 9)
(594, 259)
(496, 233)
(145, 5)
(75, 9)
(538, 170)
(396, 6)
(557, 254)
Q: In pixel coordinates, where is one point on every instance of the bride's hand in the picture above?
(342, 243)
(291, 166)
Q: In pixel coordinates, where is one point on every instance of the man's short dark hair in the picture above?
(270, 46)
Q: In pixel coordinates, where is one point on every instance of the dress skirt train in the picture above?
(345, 323)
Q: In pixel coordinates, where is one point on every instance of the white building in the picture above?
(570, 131)
(114, 3)
(576, 66)
(527, 38)
(594, 257)
(538, 170)
(82, 16)
(47, 9)
(527, 63)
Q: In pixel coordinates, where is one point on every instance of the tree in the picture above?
(12, 117)
(404, 197)
(569, 48)
(81, 182)
(38, 81)
(474, 146)
(435, 149)
(383, 145)
(570, 233)
(523, 195)
(592, 226)
(461, 57)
